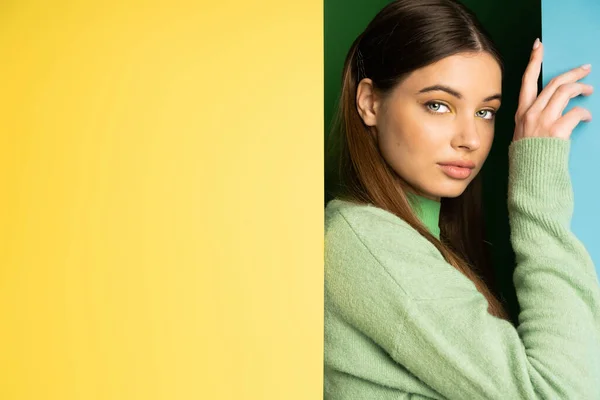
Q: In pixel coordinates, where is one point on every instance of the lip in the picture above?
(460, 163)
(457, 170)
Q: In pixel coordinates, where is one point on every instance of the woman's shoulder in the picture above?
(341, 213)
(348, 224)
(365, 220)
(367, 243)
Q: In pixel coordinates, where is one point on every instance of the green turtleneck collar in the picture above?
(428, 212)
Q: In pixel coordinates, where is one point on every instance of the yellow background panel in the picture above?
(161, 209)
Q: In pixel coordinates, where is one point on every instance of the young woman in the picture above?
(409, 311)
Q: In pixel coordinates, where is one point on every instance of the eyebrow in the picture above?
(456, 94)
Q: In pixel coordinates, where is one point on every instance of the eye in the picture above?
(486, 114)
(436, 108)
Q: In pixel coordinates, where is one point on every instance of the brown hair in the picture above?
(404, 36)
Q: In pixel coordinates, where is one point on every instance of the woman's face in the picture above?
(439, 114)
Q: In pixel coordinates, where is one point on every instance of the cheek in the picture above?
(411, 143)
(487, 141)
(426, 138)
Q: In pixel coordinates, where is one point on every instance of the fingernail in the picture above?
(586, 66)
(536, 44)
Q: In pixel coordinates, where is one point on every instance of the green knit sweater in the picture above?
(402, 323)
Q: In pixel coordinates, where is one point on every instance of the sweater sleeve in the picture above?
(449, 341)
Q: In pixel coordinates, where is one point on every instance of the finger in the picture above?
(568, 77)
(568, 122)
(529, 87)
(561, 98)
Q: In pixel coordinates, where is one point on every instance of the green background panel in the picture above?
(514, 25)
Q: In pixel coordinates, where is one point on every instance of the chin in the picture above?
(452, 190)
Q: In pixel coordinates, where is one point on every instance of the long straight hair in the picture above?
(404, 36)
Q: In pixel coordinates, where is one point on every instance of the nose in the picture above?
(467, 136)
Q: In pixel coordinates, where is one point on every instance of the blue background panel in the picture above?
(570, 33)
